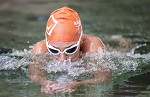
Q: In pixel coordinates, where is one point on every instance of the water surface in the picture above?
(122, 25)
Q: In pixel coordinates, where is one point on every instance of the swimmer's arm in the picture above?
(35, 72)
(102, 75)
(99, 77)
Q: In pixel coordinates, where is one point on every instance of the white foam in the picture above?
(115, 60)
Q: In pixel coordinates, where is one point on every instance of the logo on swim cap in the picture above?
(77, 23)
(50, 28)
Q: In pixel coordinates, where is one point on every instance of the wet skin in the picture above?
(88, 43)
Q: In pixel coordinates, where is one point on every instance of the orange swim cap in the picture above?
(63, 25)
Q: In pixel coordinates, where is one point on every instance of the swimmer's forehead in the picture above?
(55, 42)
(60, 44)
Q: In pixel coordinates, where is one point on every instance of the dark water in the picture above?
(121, 24)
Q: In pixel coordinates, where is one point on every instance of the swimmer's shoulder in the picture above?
(40, 47)
(91, 43)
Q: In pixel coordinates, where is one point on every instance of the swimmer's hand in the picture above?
(45, 86)
(61, 87)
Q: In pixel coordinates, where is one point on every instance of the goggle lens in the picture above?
(71, 50)
(53, 51)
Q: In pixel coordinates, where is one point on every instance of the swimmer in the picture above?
(64, 39)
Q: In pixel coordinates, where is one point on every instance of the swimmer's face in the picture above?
(64, 50)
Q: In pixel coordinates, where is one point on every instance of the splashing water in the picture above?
(88, 63)
(120, 63)
(14, 60)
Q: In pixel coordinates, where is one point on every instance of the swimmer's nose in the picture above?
(62, 57)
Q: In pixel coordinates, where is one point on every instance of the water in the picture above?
(122, 25)
(14, 72)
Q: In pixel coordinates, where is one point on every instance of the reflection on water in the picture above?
(123, 25)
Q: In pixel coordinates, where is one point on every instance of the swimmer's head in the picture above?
(63, 25)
